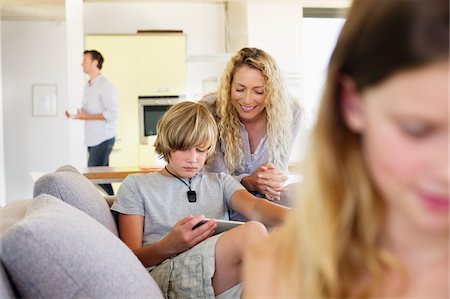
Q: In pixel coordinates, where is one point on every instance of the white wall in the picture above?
(316, 54)
(276, 28)
(75, 79)
(32, 53)
(2, 157)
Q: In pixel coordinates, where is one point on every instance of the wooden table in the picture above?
(113, 174)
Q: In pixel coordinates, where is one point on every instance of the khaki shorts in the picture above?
(189, 274)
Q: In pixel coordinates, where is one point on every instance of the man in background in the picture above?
(99, 111)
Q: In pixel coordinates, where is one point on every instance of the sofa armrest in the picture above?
(69, 185)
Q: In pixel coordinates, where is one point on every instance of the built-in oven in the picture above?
(151, 109)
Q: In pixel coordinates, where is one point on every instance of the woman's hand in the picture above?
(267, 180)
(182, 237)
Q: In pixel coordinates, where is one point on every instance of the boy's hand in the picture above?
(182, 237)
(267, 180)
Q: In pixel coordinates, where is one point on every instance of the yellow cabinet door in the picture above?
(161, 64)
(119, 52)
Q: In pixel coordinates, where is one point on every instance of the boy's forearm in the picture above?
(152, 255)
(269, 213)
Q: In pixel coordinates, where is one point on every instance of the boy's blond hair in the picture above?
(186, 125)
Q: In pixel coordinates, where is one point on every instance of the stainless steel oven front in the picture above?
(151, 109)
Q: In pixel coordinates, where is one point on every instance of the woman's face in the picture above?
(404, 123)
(248, 95)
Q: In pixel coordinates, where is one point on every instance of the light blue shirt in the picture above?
(100, 96)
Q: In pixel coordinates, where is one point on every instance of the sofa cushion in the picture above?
(57, 251)
(12, 213)
(6, 290)
(8, 216)
(69, 185)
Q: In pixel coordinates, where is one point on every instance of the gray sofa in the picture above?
(64, 244)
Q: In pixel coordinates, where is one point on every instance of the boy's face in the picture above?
(187, 163)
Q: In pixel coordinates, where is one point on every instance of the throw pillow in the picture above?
(57, 251)
(69, 185)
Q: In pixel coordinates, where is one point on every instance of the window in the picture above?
(321, 27)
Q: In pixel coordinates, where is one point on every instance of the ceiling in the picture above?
(32, 10)
(51, 10)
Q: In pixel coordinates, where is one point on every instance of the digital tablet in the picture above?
(222, 225)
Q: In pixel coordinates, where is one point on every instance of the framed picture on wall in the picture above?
(45, 101)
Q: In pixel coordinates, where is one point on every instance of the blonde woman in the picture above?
(257, 122)
(373, 220)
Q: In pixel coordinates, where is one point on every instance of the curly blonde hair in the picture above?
(278, 109)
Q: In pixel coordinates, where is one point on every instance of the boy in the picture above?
(155, 211)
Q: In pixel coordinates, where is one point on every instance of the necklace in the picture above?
(192, 197)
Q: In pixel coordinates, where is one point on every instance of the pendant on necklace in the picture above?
(192, 197)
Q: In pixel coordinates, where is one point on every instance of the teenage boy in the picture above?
(156, 211)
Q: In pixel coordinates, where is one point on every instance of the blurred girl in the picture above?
(373, 221)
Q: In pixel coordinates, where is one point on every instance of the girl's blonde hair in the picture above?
(186, 125)
(329, 247)
(279, 106)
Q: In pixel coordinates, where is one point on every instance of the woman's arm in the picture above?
(180, 238)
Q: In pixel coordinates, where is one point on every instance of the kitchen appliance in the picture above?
(151, 109)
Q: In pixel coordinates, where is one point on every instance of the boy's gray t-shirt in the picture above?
(163, 200)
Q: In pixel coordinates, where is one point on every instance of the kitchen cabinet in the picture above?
(143, 64)
(161, 64)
